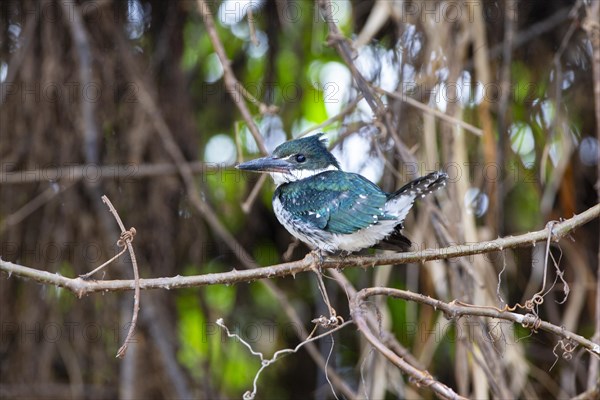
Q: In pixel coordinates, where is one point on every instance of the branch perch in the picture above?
(81, 287)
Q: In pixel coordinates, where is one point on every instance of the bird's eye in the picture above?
(300, 158)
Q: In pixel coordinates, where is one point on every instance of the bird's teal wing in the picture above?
(334, 201)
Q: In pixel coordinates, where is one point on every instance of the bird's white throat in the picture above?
(298, 174)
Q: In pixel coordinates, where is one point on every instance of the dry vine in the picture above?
(249, 395)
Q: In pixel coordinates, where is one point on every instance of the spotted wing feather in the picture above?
(335, 201)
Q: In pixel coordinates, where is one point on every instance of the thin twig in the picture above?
(533, 31)
(104, 264)
(430, 110)
(549, 226)
(98, 172)
(125, 240)
(34, 204)
(419, 377)
(327, 369)
(556, 179)
(339, 116)
(387, 337)
(233, 85)
(382, 119)
(247, 204)
(340, 43)
(250, 18)
(266, 362)
(323, 290)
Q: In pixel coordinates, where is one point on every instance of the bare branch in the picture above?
(116, 171)
(247, 204)
(81, 287)
(233, 85)
(339, 41)
(430, 110)
(338, 117)
(456, 309)
(419, 377)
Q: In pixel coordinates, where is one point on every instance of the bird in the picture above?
(332, 210)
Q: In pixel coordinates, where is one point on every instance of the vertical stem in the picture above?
(234, 87)
(593, 30)
(510, 18)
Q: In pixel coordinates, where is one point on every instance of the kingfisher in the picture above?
(332, 210)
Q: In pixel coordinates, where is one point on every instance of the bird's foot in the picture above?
(320, 259)
(333, 320)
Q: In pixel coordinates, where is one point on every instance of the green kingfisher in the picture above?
(332, 210)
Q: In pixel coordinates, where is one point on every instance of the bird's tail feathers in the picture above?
(401, 201)
(422, 186)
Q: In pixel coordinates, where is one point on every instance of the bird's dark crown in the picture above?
(308, 153)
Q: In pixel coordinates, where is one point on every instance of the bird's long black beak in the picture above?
(265, 164)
